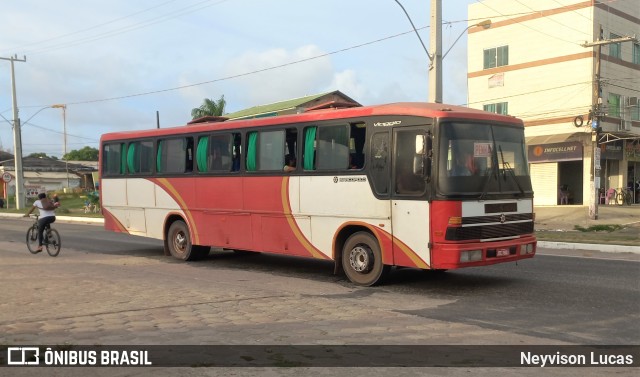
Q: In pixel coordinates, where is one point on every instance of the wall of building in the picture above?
(549, 79)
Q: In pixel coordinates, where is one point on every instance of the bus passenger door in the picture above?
(409, 205)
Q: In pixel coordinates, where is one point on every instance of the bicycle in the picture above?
(623, 196)
(50, 239)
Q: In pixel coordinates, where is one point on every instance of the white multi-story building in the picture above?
(537, 61)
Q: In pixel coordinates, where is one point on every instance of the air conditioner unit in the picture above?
(632, 101)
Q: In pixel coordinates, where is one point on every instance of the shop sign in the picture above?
(569, 151)
(611, 151)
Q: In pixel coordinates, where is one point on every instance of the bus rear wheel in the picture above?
(179, 243)
(362, 260)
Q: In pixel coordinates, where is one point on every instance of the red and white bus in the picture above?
(420, 185)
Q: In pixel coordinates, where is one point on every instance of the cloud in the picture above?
(289, 81)
(347, 82)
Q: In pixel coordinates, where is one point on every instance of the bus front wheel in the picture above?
(179, 243)
(362, 260)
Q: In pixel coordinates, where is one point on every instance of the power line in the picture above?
(57, 132)
(256, 71)
(529, 27)
(165, 17)
(552, 19)
(240, 74)
(95, 26)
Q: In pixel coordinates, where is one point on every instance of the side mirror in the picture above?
(418, 165)
(420, 145)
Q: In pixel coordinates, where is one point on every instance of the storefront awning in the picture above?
(557, 138)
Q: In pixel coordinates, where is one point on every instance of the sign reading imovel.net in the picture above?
(569, 151)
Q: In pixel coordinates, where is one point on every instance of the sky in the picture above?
(116, 63)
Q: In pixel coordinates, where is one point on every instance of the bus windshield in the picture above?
(482, 160)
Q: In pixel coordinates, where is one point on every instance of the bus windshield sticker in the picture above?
(481, 149)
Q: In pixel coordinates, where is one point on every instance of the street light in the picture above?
(484, 24)
(64, 125)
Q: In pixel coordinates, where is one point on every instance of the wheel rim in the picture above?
(54, 243)
(180, 242)
(32, 240)
(361, 259)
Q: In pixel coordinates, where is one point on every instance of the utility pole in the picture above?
(64, 130)
(596, 112)
(435, 68)
(17, 136)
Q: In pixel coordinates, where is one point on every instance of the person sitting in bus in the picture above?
(464, 165)
(289, 163)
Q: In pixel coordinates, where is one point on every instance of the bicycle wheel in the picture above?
(53, 242)
(32, 239)
(620, 199)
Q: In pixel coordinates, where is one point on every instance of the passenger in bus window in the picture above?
(289, 163)
(235, 166)
(355, 161)
(464, 165)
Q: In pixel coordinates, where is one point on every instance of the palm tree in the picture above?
(209, 107)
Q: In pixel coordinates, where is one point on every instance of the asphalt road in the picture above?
(107, 288)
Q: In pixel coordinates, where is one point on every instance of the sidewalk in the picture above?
(560, 221)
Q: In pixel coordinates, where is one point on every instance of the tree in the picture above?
(42, 155)
(209, 107)
(84, 154)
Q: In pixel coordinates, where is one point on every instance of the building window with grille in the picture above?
(613, 105)
(496, 57)
(615, 49)
(498, 108)
(636, 53)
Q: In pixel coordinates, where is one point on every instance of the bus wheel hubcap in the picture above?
(361, 258)
(180, 241)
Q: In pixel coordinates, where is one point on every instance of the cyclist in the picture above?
(46, 216)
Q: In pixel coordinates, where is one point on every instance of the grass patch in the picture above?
(599, 228)
(71, 204)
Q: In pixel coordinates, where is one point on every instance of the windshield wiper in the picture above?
(491, 172)
(507, 168)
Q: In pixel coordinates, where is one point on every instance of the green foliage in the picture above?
(84, 154)
(209, 107)
(599, 228)
(42, 155)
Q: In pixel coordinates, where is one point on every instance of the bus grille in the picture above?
(488, 231)
(496, 218)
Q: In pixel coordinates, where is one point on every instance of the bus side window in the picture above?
(173, 155)
(139, 157)
(189, 155)
(112, 159)
(309, 148)
(356, 146)
(290, 149)
(236, 152)
(379, 162)
(332, 151)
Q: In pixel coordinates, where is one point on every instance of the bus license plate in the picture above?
(502, 252)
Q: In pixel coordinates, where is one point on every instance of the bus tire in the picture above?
(179, 243)
(362, 260)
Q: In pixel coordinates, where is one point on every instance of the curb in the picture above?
(591, 247)
(70, 219)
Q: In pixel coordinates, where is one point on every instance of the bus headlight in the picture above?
(526, 249)
(470, 256)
